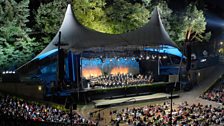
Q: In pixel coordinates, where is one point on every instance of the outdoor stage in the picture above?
(93, 95)
(128, 100)
(67, 64)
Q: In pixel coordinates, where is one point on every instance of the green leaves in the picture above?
(48, 20)
(113, 17)
(91, 14)
(16, 47)
(188, 25)
(119, 17)
(124, 16)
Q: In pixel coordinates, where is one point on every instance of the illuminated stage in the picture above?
(95, 67)
(77, 55)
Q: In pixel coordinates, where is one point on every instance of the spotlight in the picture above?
(110, 60)
(10, 72)
(39, 88)
(147, 57)
(203, 60)
(7, 72)
(13, 72)
(221, 43)
(199, 74)
(164, 57)
(141, 56)
(3, 72)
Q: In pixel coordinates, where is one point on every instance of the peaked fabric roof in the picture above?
(80, 38)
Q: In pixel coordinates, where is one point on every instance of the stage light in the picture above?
(111, 60)
(199, 74)
(141, 56)
(203, 60)
(147, 57)
(164, 57)
(39, 88)
(160, 57)
(193, 56)
(10, 72)
(221, 43)
(13, 72)
(7, 72)
(154, 56)
(3, 72)
(133, 58)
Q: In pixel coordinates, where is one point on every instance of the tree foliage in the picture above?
(189, 25)
(125, 16)
(118, 17)
(48, 18)
(91, 14)
(114, 17)
(16, 47)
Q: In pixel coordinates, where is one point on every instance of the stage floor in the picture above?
(128, 100)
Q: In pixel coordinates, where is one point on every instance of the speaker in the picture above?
(71, 66)
(67, 105)
(61, 64)
(188, 54)
(186, 85)
(77, 66)
(74, 106)
(70, 103)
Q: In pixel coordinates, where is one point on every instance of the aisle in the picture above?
(193, 95)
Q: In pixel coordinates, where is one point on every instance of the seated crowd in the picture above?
(119, 80)
(159, 115)
(216, 93)
(19, 109)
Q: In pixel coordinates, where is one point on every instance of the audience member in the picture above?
(215, 94)
(20, 109)
(159, 115)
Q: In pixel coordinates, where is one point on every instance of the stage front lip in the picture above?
(125, 87)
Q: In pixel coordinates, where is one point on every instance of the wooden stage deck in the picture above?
(128, 100)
